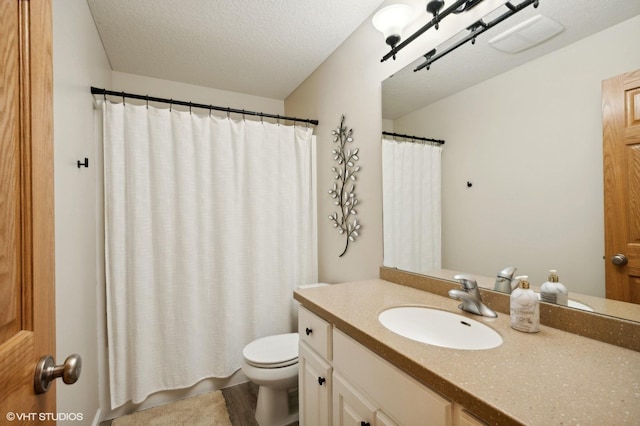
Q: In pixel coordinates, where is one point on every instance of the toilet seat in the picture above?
(272, 351)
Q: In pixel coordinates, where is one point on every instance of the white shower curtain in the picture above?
(411, 181)
(209, 227)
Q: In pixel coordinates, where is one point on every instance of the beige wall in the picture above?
(79, 61)
(534, 156)
(348, 83)
(142, 85)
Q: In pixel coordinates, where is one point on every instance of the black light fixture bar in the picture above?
(418, 138)
(480, 27)
(433, 23)
(105, 92)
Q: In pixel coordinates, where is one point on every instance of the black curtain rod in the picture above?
(476, 29)
(418, 138)
(105, 93)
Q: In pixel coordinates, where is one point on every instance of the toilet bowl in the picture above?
(272, 363)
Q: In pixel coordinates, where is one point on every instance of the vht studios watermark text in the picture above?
(42, 417)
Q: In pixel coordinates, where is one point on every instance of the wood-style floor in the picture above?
(241, 404)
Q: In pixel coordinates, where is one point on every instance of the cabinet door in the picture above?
(314, 388)
(383, 420)
(350, 408)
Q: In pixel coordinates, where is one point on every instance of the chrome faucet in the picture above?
(505, 281)
(470, 297)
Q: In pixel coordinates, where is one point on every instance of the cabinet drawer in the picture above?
(404, 399)
(315, 332)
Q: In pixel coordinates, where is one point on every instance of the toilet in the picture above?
(272, 363)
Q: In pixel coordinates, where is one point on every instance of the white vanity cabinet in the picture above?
(342, 383)
(315, 369)
(399, 398)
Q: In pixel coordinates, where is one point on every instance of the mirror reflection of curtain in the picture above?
(411, 193)
(210, 226)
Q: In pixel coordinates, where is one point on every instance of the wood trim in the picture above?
(25, 169)
(40, 173)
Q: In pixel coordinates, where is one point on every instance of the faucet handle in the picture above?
(507, 272)
(468, 281)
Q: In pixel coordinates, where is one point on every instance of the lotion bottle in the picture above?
(553, 291)
(525, 308)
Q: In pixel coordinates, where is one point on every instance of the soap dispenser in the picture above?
(525, 307)
(553, 291)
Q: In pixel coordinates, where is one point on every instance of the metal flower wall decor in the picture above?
(343, 191)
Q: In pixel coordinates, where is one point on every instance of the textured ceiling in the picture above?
(258, 47)
(470, 64)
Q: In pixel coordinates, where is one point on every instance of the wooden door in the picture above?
(27, 327)
(621, 152)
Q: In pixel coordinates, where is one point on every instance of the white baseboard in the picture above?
(96, 419)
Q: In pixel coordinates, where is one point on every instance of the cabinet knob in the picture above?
(365, 424)
(308, 331)
(321, 380)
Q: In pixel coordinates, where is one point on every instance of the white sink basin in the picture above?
(439, 328)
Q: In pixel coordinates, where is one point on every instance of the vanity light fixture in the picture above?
(478, 28)
(440, 9)
(391, 20)
(386, 18)
(434, 7)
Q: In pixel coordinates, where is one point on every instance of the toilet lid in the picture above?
(272, 351)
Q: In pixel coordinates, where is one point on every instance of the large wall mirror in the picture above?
(522, 163)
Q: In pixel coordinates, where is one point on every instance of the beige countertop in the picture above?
(545, 378)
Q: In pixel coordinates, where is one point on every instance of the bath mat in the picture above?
(207, 409)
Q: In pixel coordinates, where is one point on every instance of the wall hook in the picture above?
(84, 163)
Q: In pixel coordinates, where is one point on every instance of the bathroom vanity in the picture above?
(353, 370)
